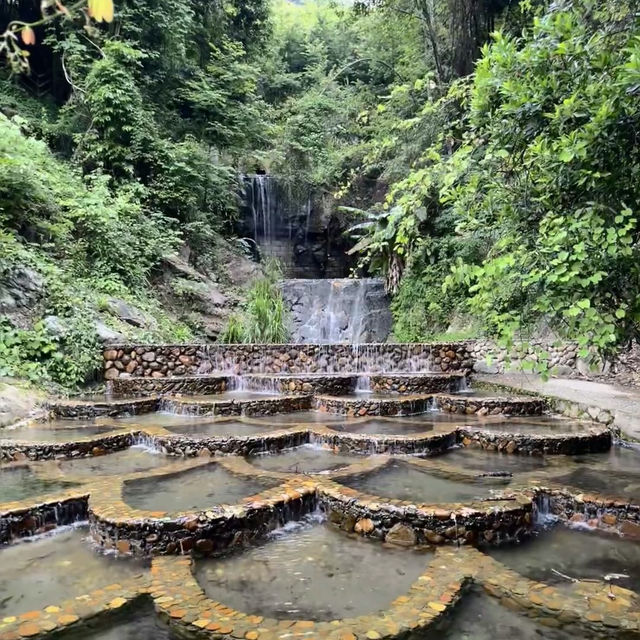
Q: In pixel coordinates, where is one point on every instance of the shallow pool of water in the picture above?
(231, 395)
(620, 484)
(307, 458)
(479, 617)
(538, 425)
(140, 624)
(99, 397)
(20, 483)
(484, 461)
(161, 419)
(483, 394)
(402, 481)
(222, 429)
(311, 572)
(618, 458)
(579, 554)
(48, 569)
(130, 460)
(384, 427)
(192, 490)
(55, 431)
(300, 417)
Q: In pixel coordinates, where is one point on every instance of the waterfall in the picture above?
(262, 199)
(292, 224)
(338, 311)
(543, 516)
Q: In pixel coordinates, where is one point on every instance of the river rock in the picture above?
(401, 535)
(365, 525)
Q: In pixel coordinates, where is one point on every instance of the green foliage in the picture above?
(36, 355)
(85, 242)
(233, 332)
(79, 221)
(549, 116)
(528, 181)
(264, 317)
(511, 193)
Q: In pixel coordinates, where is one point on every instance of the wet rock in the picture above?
(433, 537)
(349, 523)
(401, 535)
(111, 374)
(365, 525)
(204, 546)
(123, 546)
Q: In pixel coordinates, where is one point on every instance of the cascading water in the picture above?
(262, 199)
(290, 225)
(542, 513)
(349, 311)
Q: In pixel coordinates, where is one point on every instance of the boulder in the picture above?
(55, 326)
(20, 288)
(126, 312)
(482, 366)
(107, 335)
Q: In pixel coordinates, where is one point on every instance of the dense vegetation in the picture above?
(484, 153)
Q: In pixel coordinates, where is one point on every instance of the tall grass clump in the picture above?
(264, 317)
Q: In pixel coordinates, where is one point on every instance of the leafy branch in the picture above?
(20, 33)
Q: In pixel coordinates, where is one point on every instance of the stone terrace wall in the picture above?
(159, 361)
(492, 358)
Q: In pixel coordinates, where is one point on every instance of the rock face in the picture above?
(301, 230)
(209, 297)
(343, 310)
(20, 290)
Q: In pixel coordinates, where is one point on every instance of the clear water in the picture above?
(307, 458)
(231, 395)
(46, 570)
(301, 417)
(618, 458)
(378, 395)
(220, 429)
(311, 573)
(402, 481)
(54, 432)
(100, 397)
(384, 427)
(576, 553)
(142, 624)
(131, 460)
(479, 617)
(20, 483)
(191, 490)
(471, 393)
(492, 461)
(161, 419)
(439, 417)
(541, 425)
(621, 484)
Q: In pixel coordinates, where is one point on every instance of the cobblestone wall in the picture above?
(159, 361)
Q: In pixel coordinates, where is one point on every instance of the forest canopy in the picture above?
(483, 152)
